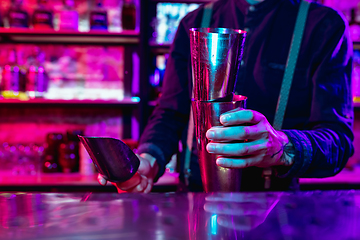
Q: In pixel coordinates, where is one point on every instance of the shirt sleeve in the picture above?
(324, 147)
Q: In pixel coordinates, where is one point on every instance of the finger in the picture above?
(237, 149)
(144, 168)
(141, 187)
(237, 162)
(233, 133)
(135, 188)
(241, 117)
(149, 185)
(131, 183)
(101, 180)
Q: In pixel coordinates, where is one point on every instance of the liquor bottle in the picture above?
(18, 17)
(11, 79)
(98, 17)
(42, 17)
(36, 79)
(354, 26)
(128, 15)
(68, 16)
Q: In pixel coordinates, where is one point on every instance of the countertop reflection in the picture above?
(276, 215)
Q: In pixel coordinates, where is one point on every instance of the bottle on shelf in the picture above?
(13, 78)
(36, 80)
(98, 17)
(17, 16)
(68, 16)
(128, 15)
(43, 16)
(354, 25)
(36, 83)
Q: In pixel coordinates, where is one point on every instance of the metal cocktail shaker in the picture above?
(215, 57)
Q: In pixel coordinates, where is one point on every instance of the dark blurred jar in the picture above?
(51, 153)
(42, 17)
(98, 17)
(128, 15)
(69, 156)
(73, 147)
(18, 17)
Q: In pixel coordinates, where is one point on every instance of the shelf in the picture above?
(356, 104)
(156, 48)
(74, 37)
(126, 101)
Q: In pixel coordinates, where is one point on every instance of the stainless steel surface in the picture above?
(207, 115)
(295, 216)
(215, 56)
(111, 157)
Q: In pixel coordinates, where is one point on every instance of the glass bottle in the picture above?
(17, 16)
(68, 16)
(98, 17)
(42, 17)
(37, 79)
(10, 84)
(128, 15)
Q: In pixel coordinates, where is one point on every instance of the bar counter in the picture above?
(104, 216)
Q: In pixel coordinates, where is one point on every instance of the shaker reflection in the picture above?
(240, 211)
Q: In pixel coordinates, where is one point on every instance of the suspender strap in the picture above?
(206, 17)
(290, 65)
(288, 76)
(205, 23)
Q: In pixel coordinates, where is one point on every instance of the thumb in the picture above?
(145, 167)
(101, 180)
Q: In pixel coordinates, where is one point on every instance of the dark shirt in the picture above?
(319, 115)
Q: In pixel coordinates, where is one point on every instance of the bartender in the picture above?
(316, 137)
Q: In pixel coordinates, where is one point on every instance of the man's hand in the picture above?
(148, 169)
(247, 139)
